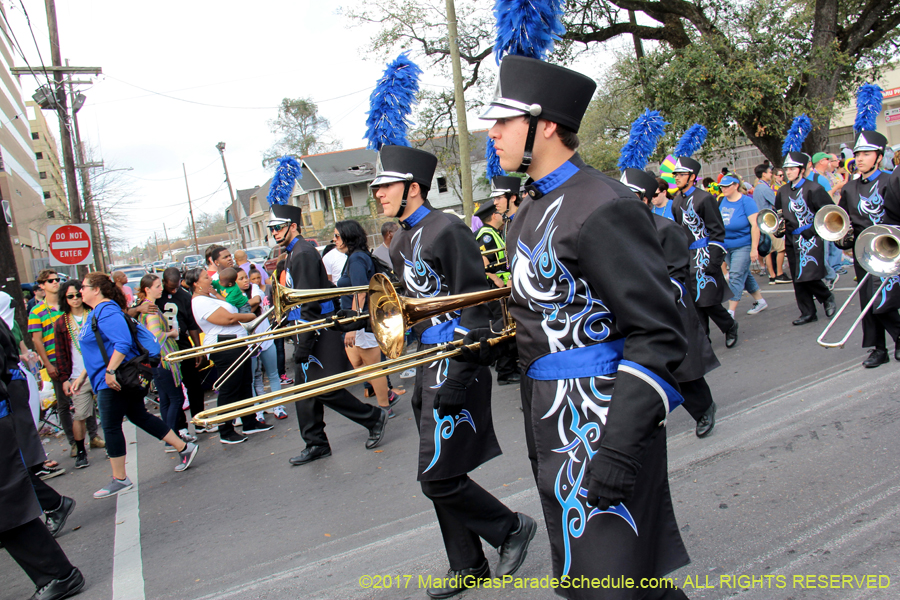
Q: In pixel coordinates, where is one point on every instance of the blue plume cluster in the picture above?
(645, 133)
(493, 161)
(286, 173)
(868, 107)
(800, 128)
(691, 141)
(527, 27)
(391, 102)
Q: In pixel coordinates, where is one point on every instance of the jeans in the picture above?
(171, 398)
(267, 362)
(739, 277)
(115, 406)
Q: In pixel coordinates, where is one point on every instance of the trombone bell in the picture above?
(878, 250)
(832, 223)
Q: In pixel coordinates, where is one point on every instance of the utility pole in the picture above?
(462, 133)
(234, 207)
(168, 245)
(156, 241)
(62, 111)
(106, 238)
(191, 208)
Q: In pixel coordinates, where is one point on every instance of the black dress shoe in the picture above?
(707, 422)
(731, 337)
(56, 519)
(61, 588)
(515, 546)
(459, 581)
(514, 378)
(877, 357)
(830, 306)
(805, 319)
(310, 454)
(377, 432)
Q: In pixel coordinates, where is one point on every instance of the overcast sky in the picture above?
(243, 56)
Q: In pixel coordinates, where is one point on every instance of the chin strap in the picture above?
(529, 144)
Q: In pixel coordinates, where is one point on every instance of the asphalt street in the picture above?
(799, 480)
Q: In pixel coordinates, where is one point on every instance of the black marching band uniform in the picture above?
(599, 337)
(700, 358)
(22, 532)
(698, 211)
(434, 254)
(869, 201)
(318, 354)
(797, 203)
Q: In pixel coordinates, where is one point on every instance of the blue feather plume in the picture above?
(527, 27)
(391, 102)
(645, 133)
(286, 174)
(868, 107)
(691, 141)
(793, 141)
(493, 161)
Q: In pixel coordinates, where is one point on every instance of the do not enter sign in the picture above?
(69, 244)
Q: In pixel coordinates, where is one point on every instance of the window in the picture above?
(39, 155)
(46, 195)
(51, 214)
(345, 193)
(43, 175)
(442, 184)
(35, 135)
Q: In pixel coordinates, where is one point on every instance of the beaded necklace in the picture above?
(74, 327)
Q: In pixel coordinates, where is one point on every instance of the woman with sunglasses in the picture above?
(741, 242)
(70, 363)
(116, 403)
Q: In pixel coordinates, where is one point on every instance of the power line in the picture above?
(215, 160)
(31, 29)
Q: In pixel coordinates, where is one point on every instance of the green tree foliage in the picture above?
(300, 130)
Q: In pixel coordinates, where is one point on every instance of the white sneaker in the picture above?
(408, 373)
(731, 312)
(185, 435)
(260, 416)
(280, 413)
(758, 307)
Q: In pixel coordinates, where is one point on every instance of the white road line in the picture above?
(128, 569)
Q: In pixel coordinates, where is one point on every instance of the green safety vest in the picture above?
(499, 243)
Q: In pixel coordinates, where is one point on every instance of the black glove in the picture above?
(301, 355)
(450, 398)
(610, 478)
(345, 327)
(716, 256)
(846, 242)
(808, 233)
(484, 354)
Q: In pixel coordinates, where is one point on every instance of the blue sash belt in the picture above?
(439, 334)
(4, 408)
(325, 307)
(701, 243)
(800, 230)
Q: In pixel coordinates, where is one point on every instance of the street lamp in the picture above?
(234, 208)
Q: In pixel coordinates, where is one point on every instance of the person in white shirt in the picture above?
(334, 262)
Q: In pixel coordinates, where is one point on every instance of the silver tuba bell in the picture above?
(768, 221)
(832, 223)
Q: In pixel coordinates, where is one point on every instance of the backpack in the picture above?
(386, 270)
(133, 375)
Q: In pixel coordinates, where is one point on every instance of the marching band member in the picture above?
(435, 254)
(869, 201)
(797, 204)
(599, 337)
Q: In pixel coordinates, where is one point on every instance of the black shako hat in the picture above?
(486, 209)
(401, 163)
(285, 213)
(869, 141)
(640, 181)
(528, 86)
(505, 184)
(686, 164)
(796, 159)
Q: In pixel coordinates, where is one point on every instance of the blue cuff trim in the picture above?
(800, 230)
(4, 408)
(670, 396)
(439, 334)
(295, 315)
(701, 243)
(562, 174)
(575, 363)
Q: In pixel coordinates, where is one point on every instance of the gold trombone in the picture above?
(878, 251)
(390, 316)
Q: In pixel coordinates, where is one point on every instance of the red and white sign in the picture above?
(892, 115)
(891, 92)
(70, 244)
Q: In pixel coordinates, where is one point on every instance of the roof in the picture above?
(343, 167)
(244, 198)
(307, 181)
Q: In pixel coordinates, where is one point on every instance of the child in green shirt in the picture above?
(227, 286)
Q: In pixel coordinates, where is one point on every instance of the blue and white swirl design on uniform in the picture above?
(572, 317)
(701, 255)
(804, 217)
(444, 429)
(872, 206)
(419, 277)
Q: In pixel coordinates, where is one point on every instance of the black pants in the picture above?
(718, 314)
(48, 498)
(806, 291)
(697, 397)
(279, 350)
(508, 360)
(193, 382)
(114, 407)
(39, 555)
(238, 386)
(874, 326)
(467, 512)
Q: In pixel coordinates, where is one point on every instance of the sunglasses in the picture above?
(279, 227)
(51, 280)
(337, 236)
(73, 296)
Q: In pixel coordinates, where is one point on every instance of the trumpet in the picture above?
(832, 223)
(878, 251)
(390, 316)
(769, 221)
